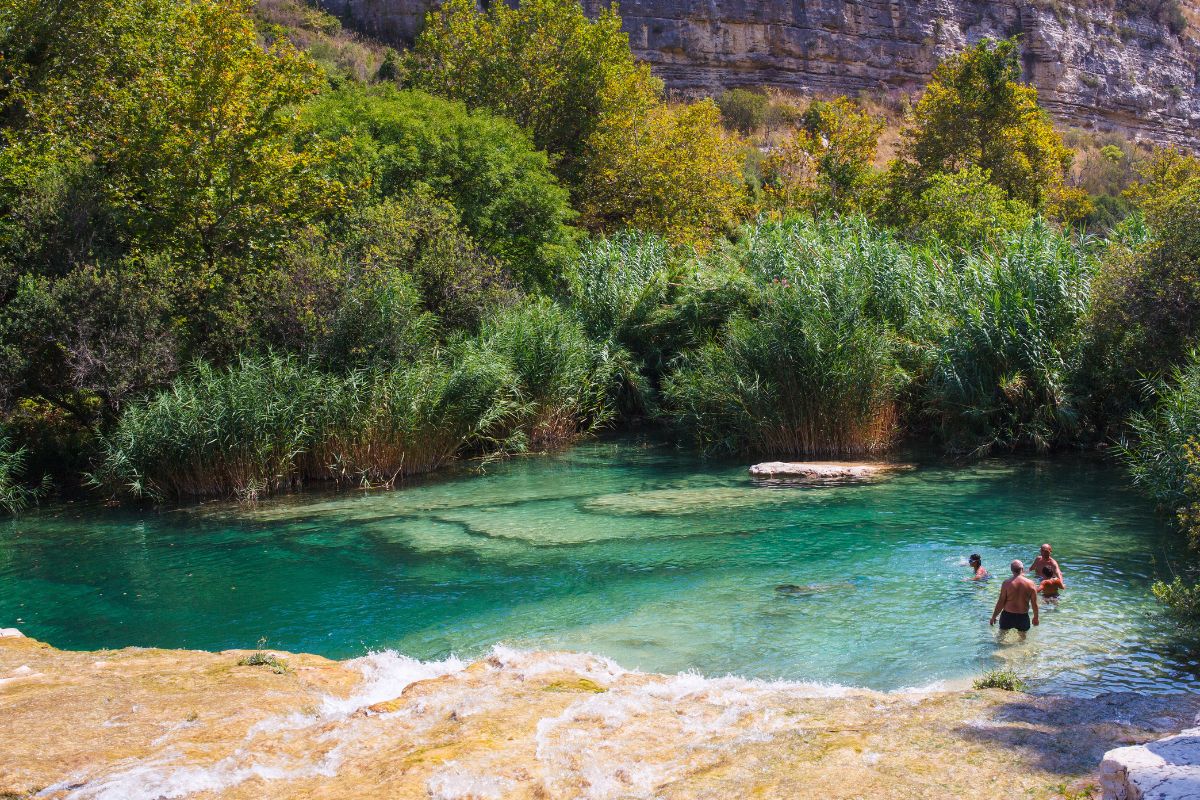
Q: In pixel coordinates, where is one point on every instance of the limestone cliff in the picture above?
(1104, 64)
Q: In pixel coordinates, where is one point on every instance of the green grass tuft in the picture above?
(1000, 679)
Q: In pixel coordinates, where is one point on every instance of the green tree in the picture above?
(1147, 310)
(826, 163)
(392, 141)
(965, 209)
(977, 112)
(1160, 176)
(184, 119)
(543, 64)
(672, 170)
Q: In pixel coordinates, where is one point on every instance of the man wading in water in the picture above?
(1017, 594)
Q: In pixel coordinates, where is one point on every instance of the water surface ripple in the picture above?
(656, 559)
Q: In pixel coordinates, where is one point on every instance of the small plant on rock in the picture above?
(1000, 679)
(262, 658)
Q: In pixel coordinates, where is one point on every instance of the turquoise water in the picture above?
(659, 560)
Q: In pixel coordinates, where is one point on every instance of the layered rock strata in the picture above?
(1124, 66)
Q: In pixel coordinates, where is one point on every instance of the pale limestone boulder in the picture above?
(823, 470)
(1168, 769)
(11, 633)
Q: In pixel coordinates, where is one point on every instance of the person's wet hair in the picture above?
(975, 560)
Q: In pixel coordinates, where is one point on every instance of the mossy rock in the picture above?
(576, 685)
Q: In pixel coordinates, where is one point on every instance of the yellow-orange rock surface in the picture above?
(138, 723)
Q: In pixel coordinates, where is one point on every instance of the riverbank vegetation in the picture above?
(243, 252)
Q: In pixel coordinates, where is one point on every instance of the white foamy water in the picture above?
(642, 731)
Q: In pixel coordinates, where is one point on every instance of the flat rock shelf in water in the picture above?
(825, 470)
(140, 724)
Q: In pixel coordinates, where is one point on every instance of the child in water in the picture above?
(1051, 583)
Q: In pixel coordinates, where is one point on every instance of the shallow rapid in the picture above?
(658, 560)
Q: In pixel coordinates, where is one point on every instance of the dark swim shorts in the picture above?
(1010, 620)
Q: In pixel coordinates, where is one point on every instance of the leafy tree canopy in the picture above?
(509, 200)
(544, 64)
(977, 112)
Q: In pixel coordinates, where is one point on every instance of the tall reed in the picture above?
(813, 365)
(565, 384)
(16, 494)
(273, 423)
(1006, 360)
(1163, 444)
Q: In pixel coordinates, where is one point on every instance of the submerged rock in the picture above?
(824, 470)
(803, 590)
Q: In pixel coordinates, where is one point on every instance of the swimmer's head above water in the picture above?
(1017, 567)
(975, 561)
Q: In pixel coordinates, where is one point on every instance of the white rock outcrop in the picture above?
(11, 633)
(1168, 769)
(821, 470)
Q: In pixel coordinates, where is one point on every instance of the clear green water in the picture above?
(659, 560)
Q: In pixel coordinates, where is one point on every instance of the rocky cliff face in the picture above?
(1104, 64)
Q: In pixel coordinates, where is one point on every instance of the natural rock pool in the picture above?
(659, 560)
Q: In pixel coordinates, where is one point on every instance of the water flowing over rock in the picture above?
(140, 724)
(1101, 64)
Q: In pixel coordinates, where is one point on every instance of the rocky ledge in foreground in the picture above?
(1168, 769)
(825, 470)
(136, 723)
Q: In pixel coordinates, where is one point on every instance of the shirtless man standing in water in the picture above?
(1043, 560)
(1017, 594)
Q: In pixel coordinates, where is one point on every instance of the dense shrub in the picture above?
(379, 287)
(507, 198)
(964, 209)
(101, 332)
(744, 110)
(826, 163)
(1004, 368)
(1147, 313)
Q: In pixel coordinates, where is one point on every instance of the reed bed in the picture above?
(563, 383)
(1012, 348)
(273, 423)
(1162, 450)
(16, 493)
(813, 365)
